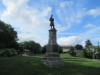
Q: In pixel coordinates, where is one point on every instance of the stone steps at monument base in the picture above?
(52, 63)
(51, 58)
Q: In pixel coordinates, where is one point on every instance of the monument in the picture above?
(52, 57)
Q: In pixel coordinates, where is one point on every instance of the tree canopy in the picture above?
(8, 36)
(88, 44)
(79, 47)
(31, 45)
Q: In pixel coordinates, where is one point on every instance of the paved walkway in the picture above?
(25, 55)
(69, 59)
(31, 56)
(74, 59)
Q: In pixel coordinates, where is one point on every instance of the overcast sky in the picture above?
(75, 20)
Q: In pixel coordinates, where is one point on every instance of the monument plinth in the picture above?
(52, 57)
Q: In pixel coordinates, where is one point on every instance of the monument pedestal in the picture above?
(52, 57)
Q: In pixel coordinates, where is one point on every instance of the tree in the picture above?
(8, 36)
(38, 48)
(44, 49)
(88, 49)
(71, 51)
(88, 44)
(79, 47)
(20, 48)
(60, 49)
(32, 46)
(97, 52)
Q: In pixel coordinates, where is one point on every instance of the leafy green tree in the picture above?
(44, 49)
(88, 54)
(88, 44)
(8, 36)
(97, 52)
(72, 52)
(60, 49)
(79, 47)
(32, 46)
(88, 49)
(20, 48)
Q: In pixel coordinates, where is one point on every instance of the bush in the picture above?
(8, 52)
(43, 51)
(98, 55)
(60, 49)
(72, 52)
(88, 54)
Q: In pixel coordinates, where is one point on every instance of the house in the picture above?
(66, 48)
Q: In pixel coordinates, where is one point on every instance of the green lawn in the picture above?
(19, 65)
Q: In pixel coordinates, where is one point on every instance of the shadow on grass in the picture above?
(33, 66)
(68, 69)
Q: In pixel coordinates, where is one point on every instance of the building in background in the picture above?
(66, 48)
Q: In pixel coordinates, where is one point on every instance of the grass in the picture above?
(38, 55)
(19, 65)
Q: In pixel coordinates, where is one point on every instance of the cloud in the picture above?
(71, 40)
(94, 12)
(30, 23)
(66, 3)
(67, 33)
(89, 26)
(92, 34)
(70, 14)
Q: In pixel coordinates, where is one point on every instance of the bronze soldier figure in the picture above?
(52, 22)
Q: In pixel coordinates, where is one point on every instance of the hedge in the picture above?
(8, 52)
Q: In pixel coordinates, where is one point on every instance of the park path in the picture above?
(31, 56)
(25, 55)
(69, 59)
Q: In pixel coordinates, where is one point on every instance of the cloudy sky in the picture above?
(75, 20)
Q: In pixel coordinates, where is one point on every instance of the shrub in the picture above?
(60, 49)
(8, 52)
(88, 53)
(2, 52)
(98, 55)
(72, 52)
(44, 49)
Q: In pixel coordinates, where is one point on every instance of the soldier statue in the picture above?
(52, 22)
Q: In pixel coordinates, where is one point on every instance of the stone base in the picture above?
(52, 59)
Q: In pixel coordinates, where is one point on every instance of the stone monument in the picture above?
(52, 57)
